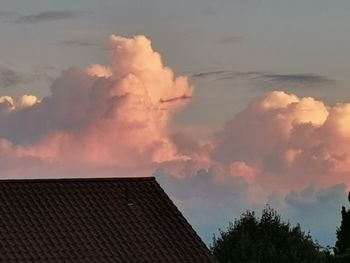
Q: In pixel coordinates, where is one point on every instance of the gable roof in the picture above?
(94, 220)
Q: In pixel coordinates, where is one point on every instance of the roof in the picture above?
(94, 220)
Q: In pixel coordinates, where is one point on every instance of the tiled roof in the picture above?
(94, 220)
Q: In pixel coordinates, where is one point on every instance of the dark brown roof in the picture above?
(94, 220)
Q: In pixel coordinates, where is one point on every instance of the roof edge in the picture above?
(78, 179)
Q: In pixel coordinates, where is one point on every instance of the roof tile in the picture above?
(94, 220)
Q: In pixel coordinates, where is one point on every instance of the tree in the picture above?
(268, 239)
(342, 246)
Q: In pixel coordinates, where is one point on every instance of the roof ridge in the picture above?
(78, 179)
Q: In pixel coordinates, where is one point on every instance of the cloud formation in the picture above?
(8, 15)
(46, 16)
(115, 120)
(118, 116)
(304, 79)
(272, 79)
(109, 116)
(211, 204)
(77, 43)
(9, 78)
(213, 73)
(289, 141)
(284, 150)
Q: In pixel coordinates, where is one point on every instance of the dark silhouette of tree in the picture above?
(342, 246)
(268, 239)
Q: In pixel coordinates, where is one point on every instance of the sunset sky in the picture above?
(231, 104)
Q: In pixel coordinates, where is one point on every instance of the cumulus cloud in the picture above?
(281, 149)
(8, 104)
(290, 141)
(26, 101)
(116, 120)
(103, 115)
(284, 150)
(99, 71)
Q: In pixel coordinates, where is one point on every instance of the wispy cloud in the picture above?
(297, 78)
(206, 74)
(47, 16)
(12, 78)
(306, 79)
(8, 15)
(226, 74)
(77, 43)
(8, 77)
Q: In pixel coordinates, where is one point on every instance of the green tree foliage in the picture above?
(265, 240)
(342, 246)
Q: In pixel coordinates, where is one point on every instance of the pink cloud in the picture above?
(104, 116)
(115, 116)
(289, 142)
(115, 120)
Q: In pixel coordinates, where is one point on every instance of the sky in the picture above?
(230, 104)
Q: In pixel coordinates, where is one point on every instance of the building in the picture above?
(94, 220)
